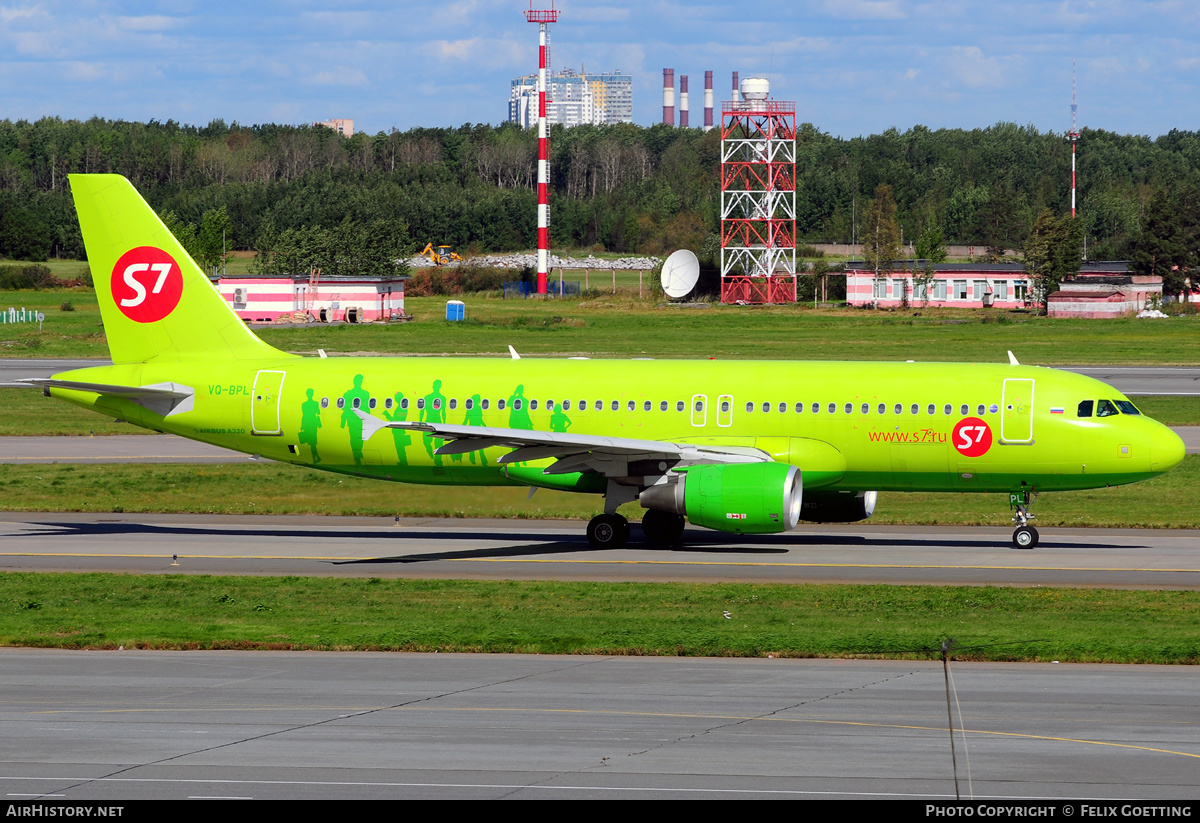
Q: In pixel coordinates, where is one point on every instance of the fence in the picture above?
(30, 316)
(555, 288)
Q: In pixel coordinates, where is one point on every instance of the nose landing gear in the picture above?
(1024, 536)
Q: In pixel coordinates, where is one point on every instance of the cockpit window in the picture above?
(1105, 408)
(1085, 408)
(1126, 407)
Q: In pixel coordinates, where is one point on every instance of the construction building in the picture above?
(308, 298)
(573, 99)
(343, 126)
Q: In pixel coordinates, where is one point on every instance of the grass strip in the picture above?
(623, 325)
(273, 488)
(104, 611)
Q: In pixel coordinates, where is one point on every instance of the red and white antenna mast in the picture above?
(1073, 136)
(543, 18)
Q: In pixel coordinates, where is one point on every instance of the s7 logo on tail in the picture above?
(146, 284)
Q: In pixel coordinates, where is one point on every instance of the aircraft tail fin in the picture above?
(154, 300)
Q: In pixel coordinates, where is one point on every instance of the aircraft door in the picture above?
(264, 403)
(1016, 412)
(699, 410)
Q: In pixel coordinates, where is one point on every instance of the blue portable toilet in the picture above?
(455, 310)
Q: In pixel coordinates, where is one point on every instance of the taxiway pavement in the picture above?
(120, 725)
(547, 549)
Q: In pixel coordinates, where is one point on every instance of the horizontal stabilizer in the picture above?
(164, 399)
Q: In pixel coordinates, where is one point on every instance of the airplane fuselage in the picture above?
(847, 426)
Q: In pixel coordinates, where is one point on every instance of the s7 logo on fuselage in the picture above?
(146, 284)
(972, 437)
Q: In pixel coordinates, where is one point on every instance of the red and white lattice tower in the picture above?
(758, 197)
(543, 18)
(1073, 137)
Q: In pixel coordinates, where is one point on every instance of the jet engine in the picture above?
(837, 507)
(745, 498)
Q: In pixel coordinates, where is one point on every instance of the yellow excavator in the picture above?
(441, 255)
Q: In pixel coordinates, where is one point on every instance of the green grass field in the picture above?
(80, 611)
(272, 488)
(624, 326)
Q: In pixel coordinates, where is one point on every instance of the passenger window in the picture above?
(833, 408)
(1085, 408)
(724, 406)
(662, 406)
(749, 407)
(1105, 408)
(766, 407)
(468, 404)
(980, 409)
(420, 403)
(499, 404)
(517, 404)
(782, 408)
(699, 405)
(532, 405)
(404, 404)
(816, 408)
(483, 404)
(965, 408)
(882, 408)
(865, 408)
(324, 402)
(1126, 407)
(549, 405)
(646, 406)
(387, 403)
(616, 405)
(898, 409)
(357, 403)
(947, 409)
(371, 404)
(849, 408)
(932, 409)
(678, 405)
(799, 408)
(631, 405)
(453, 403)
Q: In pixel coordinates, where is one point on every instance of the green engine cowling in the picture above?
(744, 498)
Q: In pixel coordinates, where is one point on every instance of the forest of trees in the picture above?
(622, 188)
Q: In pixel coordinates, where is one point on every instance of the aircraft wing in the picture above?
(164, 399)
(609, 456)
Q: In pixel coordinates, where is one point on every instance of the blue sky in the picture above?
(852, 66)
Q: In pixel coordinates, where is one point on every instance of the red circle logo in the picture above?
(972, 437)
(147, 284)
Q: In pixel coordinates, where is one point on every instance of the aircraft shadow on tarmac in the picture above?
(696, 541)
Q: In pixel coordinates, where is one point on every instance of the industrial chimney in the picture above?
(668, 97)
(708, 101)
(683, 101)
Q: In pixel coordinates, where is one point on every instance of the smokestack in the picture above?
(708, 101)
(737, 94)
(683, 102)
(668, 97)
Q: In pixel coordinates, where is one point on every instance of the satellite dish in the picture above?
(680, 273)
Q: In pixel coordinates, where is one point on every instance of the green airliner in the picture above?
(737, 446)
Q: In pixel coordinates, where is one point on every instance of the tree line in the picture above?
(622, 188)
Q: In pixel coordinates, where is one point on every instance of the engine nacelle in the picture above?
(745, 498)
(837, 507)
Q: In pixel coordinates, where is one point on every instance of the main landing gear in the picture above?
(608, 531)
(611, 531)
(1024, 536)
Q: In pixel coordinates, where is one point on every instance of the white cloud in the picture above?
(968, 65)
(148, 22)
(866, 9)
(338, 76)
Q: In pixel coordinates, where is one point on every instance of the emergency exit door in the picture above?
(1016, 412)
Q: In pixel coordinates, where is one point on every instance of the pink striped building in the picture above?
(998, 285)
(330, 300)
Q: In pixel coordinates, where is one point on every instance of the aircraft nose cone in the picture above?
(1166, 449)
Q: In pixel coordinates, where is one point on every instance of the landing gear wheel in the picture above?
(1025, 537)
(608, 531)
(662, 527)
